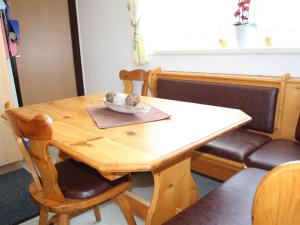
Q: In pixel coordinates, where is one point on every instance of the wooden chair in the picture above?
(68, 187)
(277, 198)
(134, 75)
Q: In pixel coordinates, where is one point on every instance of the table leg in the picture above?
(174, 190)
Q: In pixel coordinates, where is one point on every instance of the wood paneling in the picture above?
(9, 152)
(4, 79)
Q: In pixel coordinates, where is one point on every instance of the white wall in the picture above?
(256, 64)
(105, 43)
(106, 49)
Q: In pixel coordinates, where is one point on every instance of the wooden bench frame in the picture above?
(287, 111)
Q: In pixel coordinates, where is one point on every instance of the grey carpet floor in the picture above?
(142, 186)
(16, 203)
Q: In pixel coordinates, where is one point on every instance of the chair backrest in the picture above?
(134, 75)
(39, 131)
(277, 198)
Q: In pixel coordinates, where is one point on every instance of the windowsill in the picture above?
(230, 51)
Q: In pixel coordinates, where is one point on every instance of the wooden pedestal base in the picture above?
(174, 190)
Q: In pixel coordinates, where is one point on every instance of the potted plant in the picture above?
(243, 27)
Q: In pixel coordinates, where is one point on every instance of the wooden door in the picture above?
(45, 66)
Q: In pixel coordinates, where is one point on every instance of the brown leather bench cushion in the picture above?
(273, 154)
(77, 180)
(236, 145)
(229, 204)
(258, 102)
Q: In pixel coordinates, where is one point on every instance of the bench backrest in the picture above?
(258, 102)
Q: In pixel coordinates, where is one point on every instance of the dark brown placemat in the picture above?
(107, 118)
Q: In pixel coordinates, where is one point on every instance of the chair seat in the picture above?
(236, 145)
(273, 154)
(78, 181)
(229, 204)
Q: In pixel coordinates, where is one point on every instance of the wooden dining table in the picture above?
(162, 147)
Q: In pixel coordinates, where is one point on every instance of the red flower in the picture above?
(237, 13)
(245, 8)
(242, 12)
(241, 4)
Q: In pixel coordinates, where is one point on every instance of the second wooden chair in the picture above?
(68, 187)
(135, 75)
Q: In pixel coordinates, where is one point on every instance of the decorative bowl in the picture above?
(140, 108)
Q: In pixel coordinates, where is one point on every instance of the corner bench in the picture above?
(272, 138)
(233, 148)
(229, 204)
(268, 100)
(251, 197)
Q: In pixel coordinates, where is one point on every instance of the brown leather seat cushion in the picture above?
(229, 204)
(77, 180)
(258, 102)
(273, 154)
(236, 145)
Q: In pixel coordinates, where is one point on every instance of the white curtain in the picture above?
(140, 56)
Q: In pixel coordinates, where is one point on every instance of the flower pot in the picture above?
(245, 35)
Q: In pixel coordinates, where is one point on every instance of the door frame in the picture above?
(76, 55)
(76, 47)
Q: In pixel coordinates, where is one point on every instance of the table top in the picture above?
(139, 147)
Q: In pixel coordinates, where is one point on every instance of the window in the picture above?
(172, 25)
